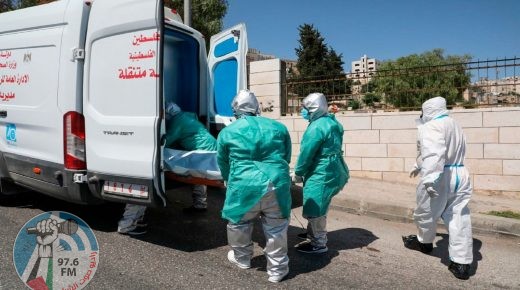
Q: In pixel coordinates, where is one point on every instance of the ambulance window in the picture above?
(181, 70)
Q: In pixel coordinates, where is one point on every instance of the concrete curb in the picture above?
(481, 223)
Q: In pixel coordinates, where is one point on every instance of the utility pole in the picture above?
(187, 12)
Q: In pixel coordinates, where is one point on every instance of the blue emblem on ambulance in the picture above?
(10, 132)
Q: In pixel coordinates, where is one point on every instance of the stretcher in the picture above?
(193, 167)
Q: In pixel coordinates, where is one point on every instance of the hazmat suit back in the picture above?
(183, 129)
(253, 155)
(321, 158)
(442, 148)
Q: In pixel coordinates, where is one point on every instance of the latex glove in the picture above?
(298, 179)
(295, 178)
(430, 190)
(415, 171)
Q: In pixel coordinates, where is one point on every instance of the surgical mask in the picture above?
(305, 114)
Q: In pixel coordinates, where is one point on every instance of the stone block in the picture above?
(365, 150)
(353, 163)
(399, 136)
(502, 151)
(268, 77)
(272, 113)
(300, 125)
(266, 90)
(382, 164)
(512, 167)
(402, 150)
(510, 135)
(483, 166)
(294, 137)
(361, 136)
(481, 135)
(289, 124)
(267, 102)
(468, 120)
(355, 123)
(502, 119)
(294, 158)
(474, 151)
(394, 122)
(295, 149)
(400, 177)
(366, 174)
(265, 65)
(496, 182)
(409, 163)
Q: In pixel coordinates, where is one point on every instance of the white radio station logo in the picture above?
(56, 250)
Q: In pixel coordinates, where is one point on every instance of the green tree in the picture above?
(371, 98)
(312, 52)
(206, 15)
(6, 5)
(410, 80)
(354, 104)
(320, 67)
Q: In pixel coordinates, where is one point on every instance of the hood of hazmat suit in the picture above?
(316, 104)
(442, 149)
(321, 158)
(253, 155)
(245, 103)
(171, 110)
(185, 131)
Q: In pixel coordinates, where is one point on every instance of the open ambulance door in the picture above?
(123, 101)
(228, 73)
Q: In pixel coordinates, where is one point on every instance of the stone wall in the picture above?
(382, 145)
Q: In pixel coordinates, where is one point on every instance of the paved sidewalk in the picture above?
(396, 202)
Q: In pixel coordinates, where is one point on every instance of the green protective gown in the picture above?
(321, 164)
(252, 153)
(184, 130)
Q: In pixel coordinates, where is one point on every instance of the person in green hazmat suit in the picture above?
(322, 168)
(253, 154)
(183, 131)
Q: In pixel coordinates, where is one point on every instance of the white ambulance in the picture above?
(83, 86)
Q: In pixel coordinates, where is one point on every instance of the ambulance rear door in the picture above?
(228, 72)
(123, 100)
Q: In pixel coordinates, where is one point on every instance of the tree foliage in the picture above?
(206, 15)
(318, 61)
(8, 5)
(371, 98)
(410, 80)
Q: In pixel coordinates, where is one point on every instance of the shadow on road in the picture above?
(170, 227)
(101, 217)
(441, 251)
(338, 240)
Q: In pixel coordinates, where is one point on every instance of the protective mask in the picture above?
(305, 114)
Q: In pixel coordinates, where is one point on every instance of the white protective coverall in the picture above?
(441, 160)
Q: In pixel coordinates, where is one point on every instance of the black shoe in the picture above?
(194, 210)
(308, 248)
(411, 242)
(302, 236)
(461, 271)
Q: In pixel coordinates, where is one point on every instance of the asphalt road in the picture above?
(189, 252)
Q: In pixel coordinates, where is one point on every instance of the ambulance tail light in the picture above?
(74, 141)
